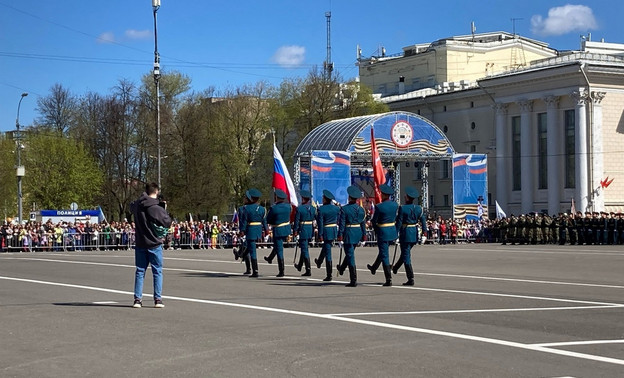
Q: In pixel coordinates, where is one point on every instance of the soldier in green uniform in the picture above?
(504, 230)
(352, 230)
(521, 229)
(554, 228)
(407, 226)
(279, 219)
(304, 217)
(253, 222)
(327, 223)
(513, 224)
(384, 224)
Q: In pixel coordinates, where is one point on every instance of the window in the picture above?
(473, 125)
(570, 148)
(473, 148)
(431, 203)
(472, 104)
(445, 129)
(445, 168)
(542, 149)
(444, 107)
(446, 200)
(515, 153)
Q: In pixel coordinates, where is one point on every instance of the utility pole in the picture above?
(20, 167)
(155, 7)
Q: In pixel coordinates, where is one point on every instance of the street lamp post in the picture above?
(20, 168)
(155, 7)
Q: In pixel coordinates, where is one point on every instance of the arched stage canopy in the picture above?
(400, 136)
(321, 156)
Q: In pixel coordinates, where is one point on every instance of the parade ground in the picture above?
(477, 310)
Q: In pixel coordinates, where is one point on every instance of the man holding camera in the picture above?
(152, 224)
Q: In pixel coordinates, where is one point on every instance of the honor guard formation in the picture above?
(342, 226)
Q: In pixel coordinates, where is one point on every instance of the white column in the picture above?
(554, 144)
(581, 160)
(527, 141)
(597, 162)
(502, 153)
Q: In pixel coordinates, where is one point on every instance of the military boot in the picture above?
(341, 267)
(388, 275)
(247, 265)
(373, 268)
(299, 265)
(254, 268)
(397, 266)
(352, 277)
(280, 267)
(307, 273)
(409, 272)
(319, 260)
(271, 256)
(328, 270)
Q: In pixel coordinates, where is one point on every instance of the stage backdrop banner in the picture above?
(331, 170)
(470, 186)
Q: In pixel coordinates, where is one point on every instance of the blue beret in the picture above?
(279, 193)
(412, 192)
(329, 195)
(354, 192)
(248, 195)
(305, 194)
(386, 189)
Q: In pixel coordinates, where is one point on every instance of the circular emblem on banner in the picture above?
(402, 134)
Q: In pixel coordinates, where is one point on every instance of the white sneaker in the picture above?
(137, 303)
(158, 303)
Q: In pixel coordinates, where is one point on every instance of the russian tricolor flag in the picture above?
(281, 177)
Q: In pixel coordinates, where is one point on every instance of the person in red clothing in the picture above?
(443, 232)
(454, 231)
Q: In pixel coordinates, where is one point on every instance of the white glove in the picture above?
(424, 239)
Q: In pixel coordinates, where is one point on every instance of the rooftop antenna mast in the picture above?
(328, 66)
(513, 23)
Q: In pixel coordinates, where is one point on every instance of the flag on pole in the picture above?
(281, 177)
(235, 217)
(573, 207)
(379, 178)
(499, 211)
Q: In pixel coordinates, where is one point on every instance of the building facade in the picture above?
(553, 131)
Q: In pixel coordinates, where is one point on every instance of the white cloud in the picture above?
(138, 34)
(289, 56)
(563, 20)
(106, 37)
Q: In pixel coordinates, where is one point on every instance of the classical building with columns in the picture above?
(553, 130)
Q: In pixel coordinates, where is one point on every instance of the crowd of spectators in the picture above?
(530, 229)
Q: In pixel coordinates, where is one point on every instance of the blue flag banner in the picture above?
(470, 186)
(331, 170)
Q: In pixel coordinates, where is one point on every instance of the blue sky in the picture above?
(89, 45)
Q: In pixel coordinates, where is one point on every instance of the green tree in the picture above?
(8, 180)
(59, 171)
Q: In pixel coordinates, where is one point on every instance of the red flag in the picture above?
(379, 177)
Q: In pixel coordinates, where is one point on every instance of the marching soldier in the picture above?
(352, 230)
(580, 228)
(407, 226)
(241, 251)
(384, 224)
(572, 230)
(279, 219)
(304, 218)
(253, 222)
(503, 225)
(327, 223)
(513, 224)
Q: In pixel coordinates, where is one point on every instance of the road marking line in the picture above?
(567, 252)
(563, 300)
(473, 311)
(587, 342)
(520, 280)
(454, 335)
(105, 302)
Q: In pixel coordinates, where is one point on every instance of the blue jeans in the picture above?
(142, 258)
